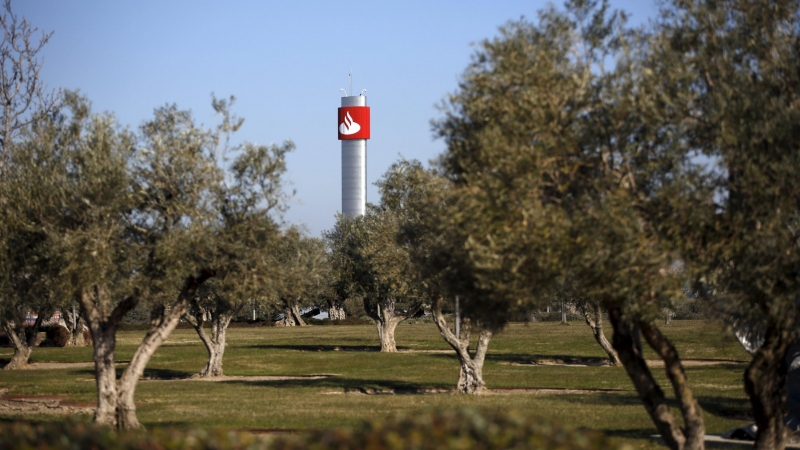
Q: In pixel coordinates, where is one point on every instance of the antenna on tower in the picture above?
(351, 82)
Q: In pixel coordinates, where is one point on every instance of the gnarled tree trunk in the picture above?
(386, 319)
(694, 428)
(115, 404)
(765, 383)
(295, 312)
(162, 323)
(291, 314)
(628, 345)
(470, 375)
(594, 318)
(76, 326)
(335, 311)
(220, 315)
(386, 329)
(105, 341)
(22, 338)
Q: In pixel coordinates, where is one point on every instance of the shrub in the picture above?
(693, 309)
(57, 336)
(464, 429)
(76, 435)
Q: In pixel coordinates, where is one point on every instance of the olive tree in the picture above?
(141, 225)
(369, 265)
(553, 182)
(419, 197)
(301, 263)
(722, 78)
(25, 102)
(246, 234)
(32, 172)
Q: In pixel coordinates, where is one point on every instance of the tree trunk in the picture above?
(694, 429)
(115, 397)
(386, 321)
(628, 346)
(215, 345)
(470, 375)
(104, 339)
(162, 323)
(76, 325)
(386, 328)
(298, 318)
(78, 337)
(21, 338)
(563, 313)
(336, 312)
(288, 319)
(765, 384)
(596, 325)
(291, 314)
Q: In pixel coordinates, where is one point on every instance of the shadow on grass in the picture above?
(526, 358)
(148, 373)
(727, 407)
(164, 373)
(625, 398)
(631, 433)
(530, 359)
(321, 348)
(371, 386)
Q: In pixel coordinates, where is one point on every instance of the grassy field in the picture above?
(348, 355)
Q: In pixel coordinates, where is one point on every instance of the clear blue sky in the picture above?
(285, 63)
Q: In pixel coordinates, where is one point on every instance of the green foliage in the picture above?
(462, 429)
(549, 182)
(741, 112)
(58, 336)
(302, 270)
(77, 435)
(369, 265)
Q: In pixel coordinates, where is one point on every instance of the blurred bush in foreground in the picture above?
(463, 429)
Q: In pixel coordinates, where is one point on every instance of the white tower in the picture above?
(354, 132)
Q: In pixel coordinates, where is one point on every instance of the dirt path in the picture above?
(56, 365)
(41, 404)
(603, 363)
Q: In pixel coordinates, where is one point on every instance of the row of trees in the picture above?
(620, 167)
(115, 220)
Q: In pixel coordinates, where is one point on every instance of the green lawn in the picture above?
(349, 354)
